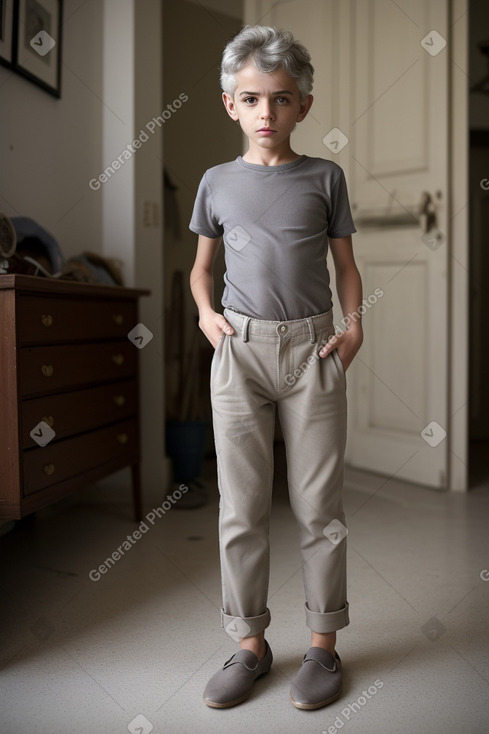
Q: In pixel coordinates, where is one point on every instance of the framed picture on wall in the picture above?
(6, 31)
(37, 42)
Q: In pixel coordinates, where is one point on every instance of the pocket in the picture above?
(219, 342)
(215, 361)
(338, 361)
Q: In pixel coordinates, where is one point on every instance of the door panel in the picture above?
(395, 385)
(399, 139)
(399, 407)
(396, 98)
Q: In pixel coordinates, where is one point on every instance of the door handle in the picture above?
(428, 209)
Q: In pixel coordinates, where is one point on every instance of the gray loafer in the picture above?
(234, 682)
(318, 681)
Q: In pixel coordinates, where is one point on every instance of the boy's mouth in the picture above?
(267, 130)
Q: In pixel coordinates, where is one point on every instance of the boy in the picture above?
(275, 210)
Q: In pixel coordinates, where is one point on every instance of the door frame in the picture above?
(458, 236)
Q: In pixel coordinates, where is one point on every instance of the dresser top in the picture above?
(38, 284)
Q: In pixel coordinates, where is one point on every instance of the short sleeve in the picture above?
(340, 220)
(204, 220)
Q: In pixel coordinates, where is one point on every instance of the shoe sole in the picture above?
(312, 706)
(215, 705)
(227, 705)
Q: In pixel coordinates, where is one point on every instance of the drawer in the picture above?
(43, 319)
(53, 369)
(57, 462)
(83, 410)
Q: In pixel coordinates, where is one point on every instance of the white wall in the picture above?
(118, 128)
(148, 242)
(50, 148)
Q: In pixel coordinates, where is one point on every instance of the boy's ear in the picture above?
(230, 106)
(304, 108)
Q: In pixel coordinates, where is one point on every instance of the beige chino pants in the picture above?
(262, 365)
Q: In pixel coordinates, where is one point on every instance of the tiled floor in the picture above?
(89, 656)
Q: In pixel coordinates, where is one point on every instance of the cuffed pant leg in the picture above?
(327, 621)
(244, 423)
(240, 627)
(313, 420)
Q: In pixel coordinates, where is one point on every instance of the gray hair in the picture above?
(269, 49)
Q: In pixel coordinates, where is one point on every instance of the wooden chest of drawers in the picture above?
(66, 366)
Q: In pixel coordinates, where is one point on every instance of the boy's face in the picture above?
(267, 104)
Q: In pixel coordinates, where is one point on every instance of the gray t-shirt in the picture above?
(275, 222)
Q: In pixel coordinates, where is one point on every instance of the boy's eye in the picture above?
(252, 100)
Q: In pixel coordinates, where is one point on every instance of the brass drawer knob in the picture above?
(118, 318)
(48, 419)
(119, 400)
(118, 359)
(122, 438)
(47, 319)
(48, 469)
(47, 370)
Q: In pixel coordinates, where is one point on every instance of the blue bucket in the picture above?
(185, 444)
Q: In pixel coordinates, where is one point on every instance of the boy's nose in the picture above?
(266, 112)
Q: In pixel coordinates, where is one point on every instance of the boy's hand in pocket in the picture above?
(213, 325)
(347, 343)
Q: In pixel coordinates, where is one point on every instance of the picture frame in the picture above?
(6, 32)
(37, 36)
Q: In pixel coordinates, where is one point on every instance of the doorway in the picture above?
(478, 419)
(200, 136)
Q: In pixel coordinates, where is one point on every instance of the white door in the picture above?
(381, 80)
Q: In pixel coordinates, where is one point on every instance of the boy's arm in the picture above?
(202, 287)
(349, 288)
